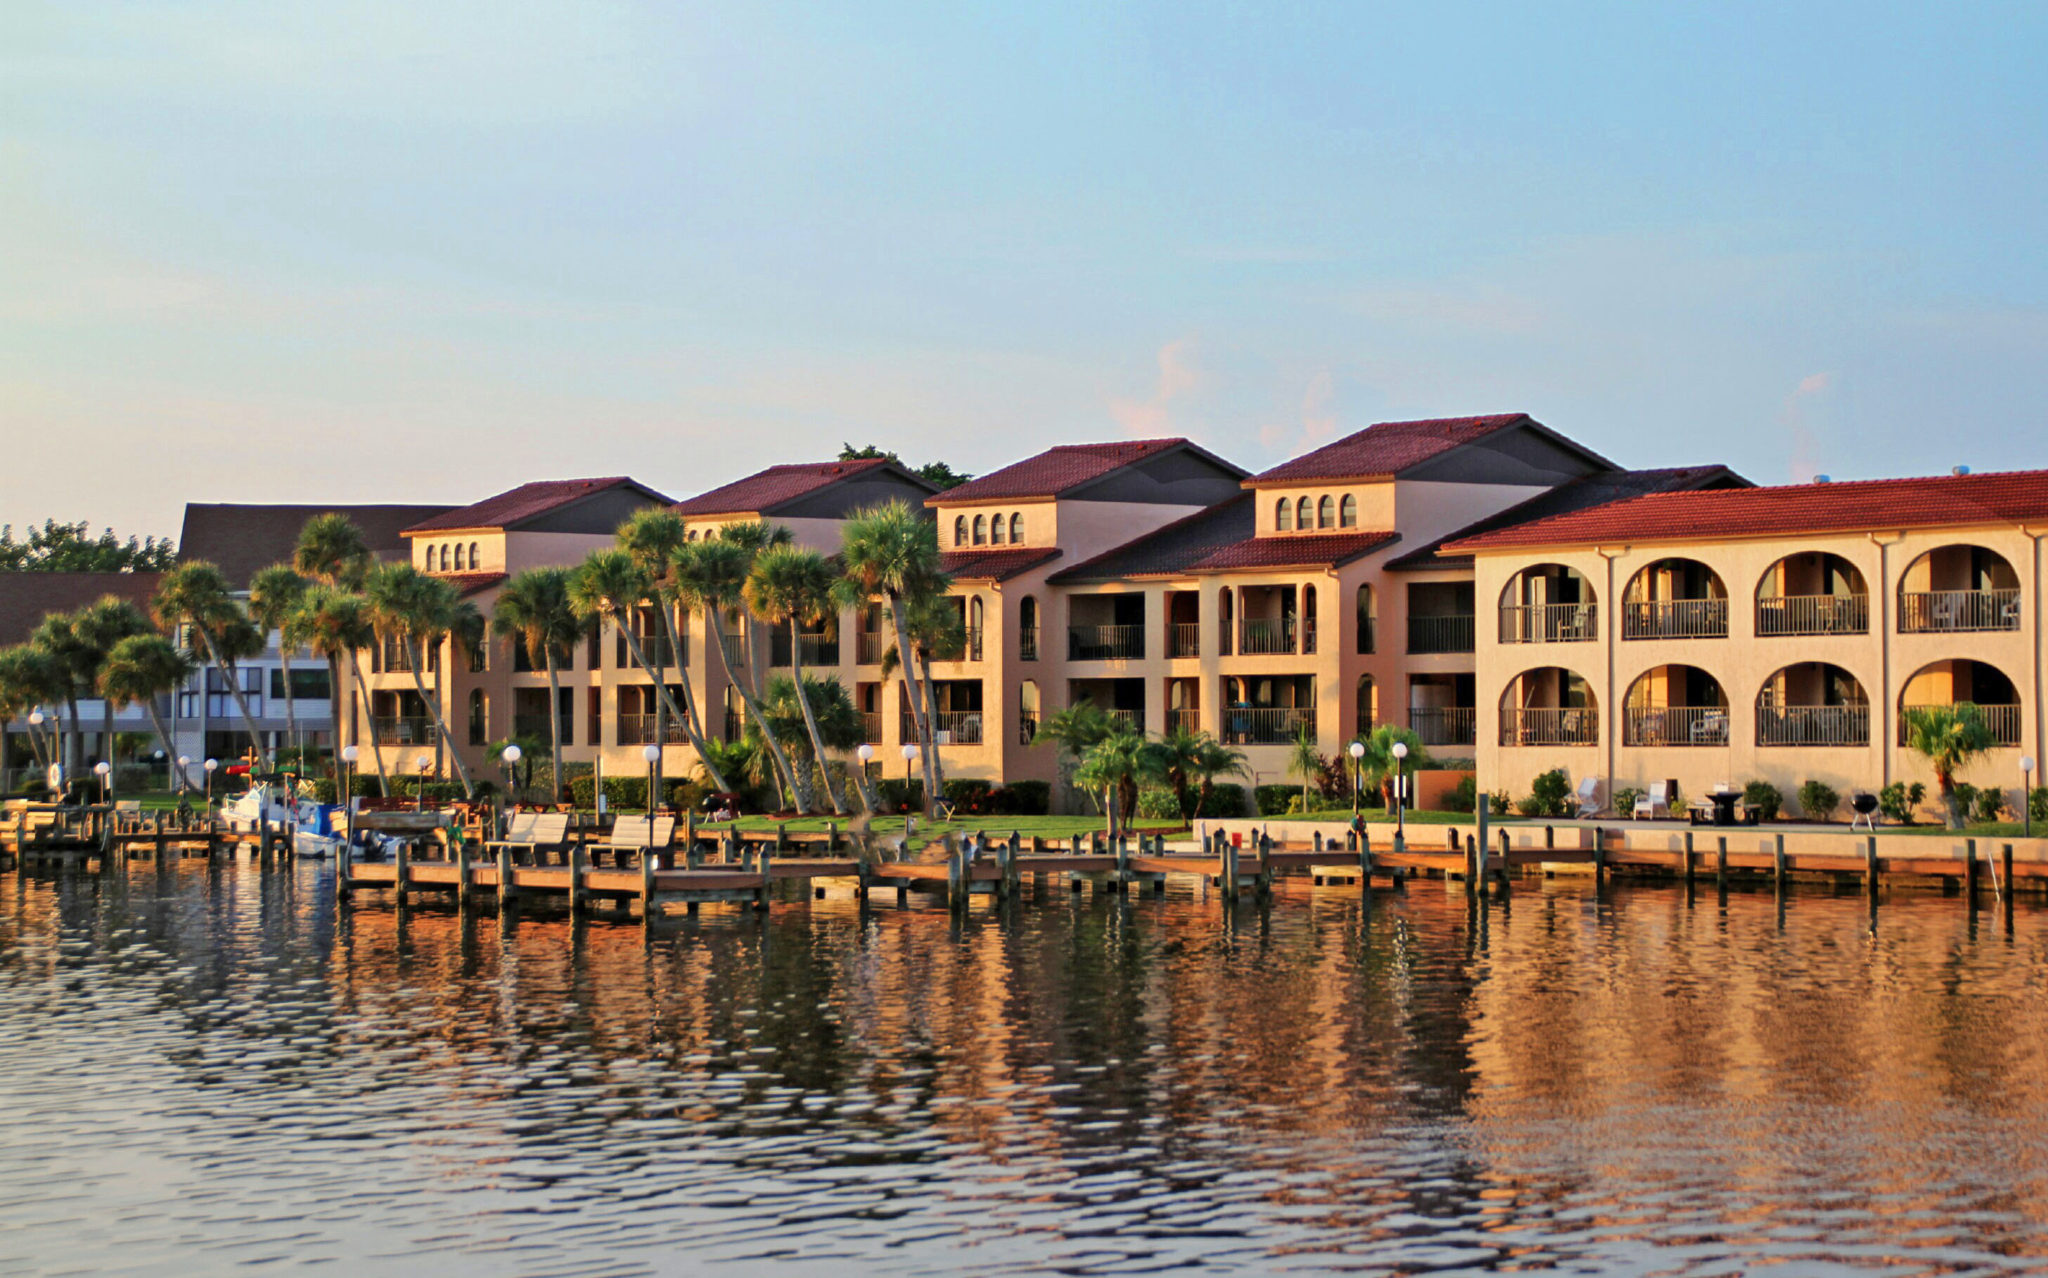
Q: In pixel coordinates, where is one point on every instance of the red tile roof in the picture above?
(1294, 550)
(1063, 469)
(1942, 501)
(528, 501)
(764, 490)
(470, 583)
(997, 565)
(1387, 448)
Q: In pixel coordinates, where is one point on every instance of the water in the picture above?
(204, 1069)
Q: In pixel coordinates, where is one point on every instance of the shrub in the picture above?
(1273, 800)
(1552, 792)
(1226, 799)
(1333, 778)
(1021, 798)
(1158, 803)
(1500, 801)
(900, 796)
(1529, 805)
(968, 797)
(1625, 799)
(1990, 802)
(1464, 796)
(2037, 804)
(1965, 799)
(1818, 801)
(1898, 800)
(687, 796)
(1765, 797)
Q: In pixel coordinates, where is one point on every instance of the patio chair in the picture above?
(1652, 802)
(1589, 798)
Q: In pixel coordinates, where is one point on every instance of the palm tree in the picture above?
(419, 612)
(29, 676)
(892, 551)
(1950, 738)
(56, 635)
(1114, 765)
(1381, 765)
(791, 586)
(331, 551)
(1213, 759)
(712, 574)
(534, 609)
(335, 623)
(752, 536)
(274, 594)
(195, 595)
(656, 536)
(1304, 760)
(1182, 758)
(98, 627)
(138, 670)
(936, 627)
(825, 704)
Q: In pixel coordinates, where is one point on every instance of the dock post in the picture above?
(404, 868)
(1970, 871)
(1688, 861)
(343, 862)
(506, 890)
(690, 829)
(578, 858)
(1475, 856)
(1550, 838)
(1364, 841)
(1506, 863)
(1318, 845)
(767, 875)
(1123, 860)
(1262, 882)
(647, 887)
(831, 837)
(1599, 858)
(1778, 863)
(782, 836)
(1870, 868)
(1721, 862)
(1229, 868)
(2005, 869)
(956, 882)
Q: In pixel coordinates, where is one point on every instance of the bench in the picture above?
(636, 834)
(532, 835)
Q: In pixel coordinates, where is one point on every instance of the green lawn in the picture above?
(1379, 816)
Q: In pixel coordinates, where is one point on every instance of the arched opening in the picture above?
(1347, 511)
(458, 556)
(1368, 616)
(1027, 629)
(995, 531)
(1812, 593)
(479, 717)
(1960, 681)
(1675, 599)
(1304, 515)
(1959, 588)
(1326, 512)
(974, 628)
(1549, 603)
(959, 530)
(1549, 706)
(735, 710)
(1027, 712)
(1675, 706)
(1812, 703)
(474, 562)
(981, 530)
(1017, 530)
(1184, 705)
(1283, 515)
(1368, 705)
(444, 556)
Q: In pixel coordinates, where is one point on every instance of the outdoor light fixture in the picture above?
(105, 772)
(210, 765)
(2027, 795)
(1357, 776)
(1400, 789)
(651, 753)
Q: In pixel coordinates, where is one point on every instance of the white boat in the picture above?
(314, 827)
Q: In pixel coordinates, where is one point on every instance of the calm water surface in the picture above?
(204, 1069)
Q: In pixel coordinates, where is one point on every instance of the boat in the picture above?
(313, 828)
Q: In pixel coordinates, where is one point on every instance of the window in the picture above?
(307, 685)
(479, 717)
(1304, 517)
(981, 530)
(693, 534)
(1347, 512)
(960, 530)
(1326, 512)
(474, 562)
(1368, 615)
(995, 531)
(458, 556)
(1283, 515)
(1017, 530)
(444, 557)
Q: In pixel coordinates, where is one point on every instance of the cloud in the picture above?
(1805, 462)
(1179, 376)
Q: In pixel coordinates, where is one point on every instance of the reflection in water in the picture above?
(205, 1067)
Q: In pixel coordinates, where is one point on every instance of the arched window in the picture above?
(458, 556)
(995, 531)
(474, 562)
(1347, 512)
(1027, 712)
(1812, 703)
(1283, 515)
(1027, 629)
(974, 615)
(1017, 529)
(444, 556)
(1304, 517)
(980, 530)
(1368, 616)
(1957, 589)
(1674, 705)
(959, 530)
(1549, 706)
(1326, 512)
(1368, 704)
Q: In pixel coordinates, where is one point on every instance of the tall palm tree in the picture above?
(656, 536)
(533, 608)
(331, 551)
(335, 624)
(56, 635)
(98, 627)
(1182, 758)
(753, 536)
(137, 671)
(195, 595)
(712, 574)
(891, 551)
(419, 612)
(1950, 738)
(792, 586)
(29, 676)
(1114, 765)
(1381, 765)
(274, 594)
(1304, 761)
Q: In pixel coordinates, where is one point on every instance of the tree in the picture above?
(138, 670)
(938, 474)
(1182, 758)
(1379, 762)
(59, 547)
(101, 625)
(1950, 738)
(419, 611)
(711, 574)
(1213, 759)
(335, 624)
(274, 594)
(1304, 761)
(534, 609)
(792, 586)
(1113, 765)
(826, 704)
(29, 676)
(892, 552)
(656, 538)
(332, 551)
(194, 595)
(75, 666)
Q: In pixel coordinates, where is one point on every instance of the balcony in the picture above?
(639, 729)
(949, 727)
(1550, 623)
(1258, 637)
(1260, 725)
(534, 727)
(1675, 726)
(1027, 644)
(1812, 615)
(409, 729)
(1675, 619)
(1452, 632)
(1184, 721)
(1184, 639)
(1813, 725)
(1444, 725)
(735, 650)
(657, 650)
(2004, 722)
(871, 728)
(867, 648)
(734, 726)
(817, 649)
(1550, 726)
(1105, 643)
(966, 648)
(1954, 611)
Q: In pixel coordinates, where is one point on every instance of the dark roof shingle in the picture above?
(27, 597)
(241, 539)
(1387, 448)
(1060, 470)
(516, 506)
(1941, 501)
(1579, 494)
(1168, 551)
(996, 565)
(764, 490)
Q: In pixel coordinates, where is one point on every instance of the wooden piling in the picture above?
(404, 868)
(1689, 869)
(1778, 862)
(647, 910)
(1870, 867)
(507, 890)
(1721, 861)
(767, 879)
(579, 857)
(1475, 854)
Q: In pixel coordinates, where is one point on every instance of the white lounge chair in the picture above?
(1589, 798)
(1653, 802)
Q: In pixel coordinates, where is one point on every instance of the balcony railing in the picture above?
(1260, 725)
(1027, 644)
(1675, 619)
(734, 726)
(1550, 726)
(639, 729)
(1813, 725)
(1444, 725)
(871, 728)
(735, 650)
(1550, 623)
(1675, 726)
(657, 650)
(867, 647)
(409, 729)
(1939, 611)
(1448, 633)
(1184, 639)
(1105, 643)
(2004, 722)
(1813, 615)
(817, 649)
(1262, 636)
(534, 727)
(1183, 720)
(950, 727)
(965, 648)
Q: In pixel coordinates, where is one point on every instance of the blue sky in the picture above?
(421, 252)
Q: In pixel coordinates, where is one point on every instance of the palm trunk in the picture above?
(796, 672)
(355, 669)
(74, 754)
(692, 728)
(333, 719)
(918, 718)
(441, 733)
(107, 732)
(291, 718)
(227, 672)
(924, 661)
(661, 690)
(555, 717)
(775, 756)
(799, 792)
(163, 734)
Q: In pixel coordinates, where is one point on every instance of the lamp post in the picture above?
(510, 757)
(184, 776)
(35, 730)
(1400, 789)
(651, 753)
(424, 763)
(105, 772)
(1357, 776)
(210, 765)
(2027, 795)
(909, 757)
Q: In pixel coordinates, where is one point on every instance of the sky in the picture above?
(376, 251)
